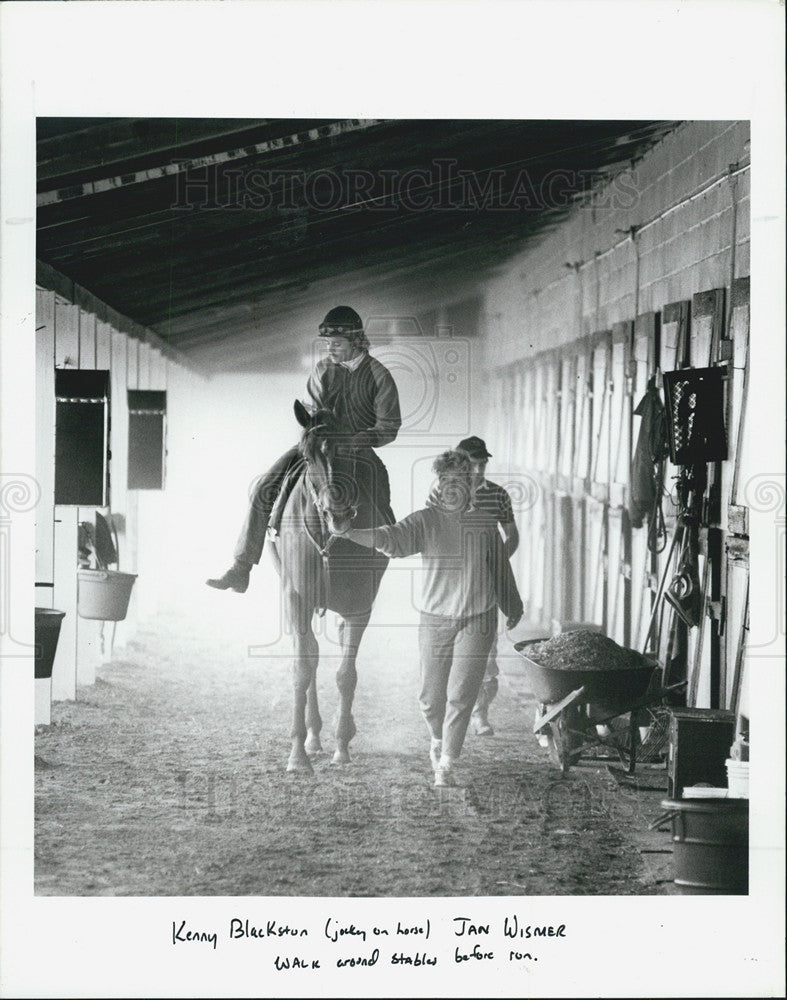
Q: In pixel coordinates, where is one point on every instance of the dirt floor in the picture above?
(167, 777)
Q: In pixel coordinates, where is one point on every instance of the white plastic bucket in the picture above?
(104, 594)
(738, 779)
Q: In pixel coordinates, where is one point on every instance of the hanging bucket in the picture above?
(104, 594)
(47, 633)
(710, 839)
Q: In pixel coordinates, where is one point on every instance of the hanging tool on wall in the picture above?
(647, 491)
(647, 468)
(677, 541)
(684, 592)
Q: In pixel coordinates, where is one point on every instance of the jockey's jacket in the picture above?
(364, 399)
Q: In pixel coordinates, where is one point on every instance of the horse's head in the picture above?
(329, 468)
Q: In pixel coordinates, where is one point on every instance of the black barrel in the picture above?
(710, 839)
(47, 633)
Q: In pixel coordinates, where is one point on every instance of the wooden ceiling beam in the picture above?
(117, 181)
(121, 141)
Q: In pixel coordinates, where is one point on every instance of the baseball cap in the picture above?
(474, 447)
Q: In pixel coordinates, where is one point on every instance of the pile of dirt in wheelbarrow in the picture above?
(583, 650)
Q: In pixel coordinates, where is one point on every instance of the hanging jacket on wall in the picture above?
(650, 452)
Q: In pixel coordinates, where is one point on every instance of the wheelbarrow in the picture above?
(575, 704)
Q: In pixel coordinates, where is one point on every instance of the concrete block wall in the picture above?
(680, 198)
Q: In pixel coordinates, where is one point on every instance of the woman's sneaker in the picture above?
(444, 777)
(480, 724)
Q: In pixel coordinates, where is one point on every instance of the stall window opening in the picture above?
(147, 412)
(82, 437)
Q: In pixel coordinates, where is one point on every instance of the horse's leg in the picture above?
(351, 632)
(304, 669)
(313, 719)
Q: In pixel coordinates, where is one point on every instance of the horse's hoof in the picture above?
(313, 745)
(341, 757)
(299, 764)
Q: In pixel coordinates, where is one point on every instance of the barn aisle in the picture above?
(167, 778)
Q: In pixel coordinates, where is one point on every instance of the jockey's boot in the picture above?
(236, 578)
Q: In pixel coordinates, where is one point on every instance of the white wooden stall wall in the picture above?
(575, 435)
(69, 336)
(672, 355)
(547, 458)
(89, 632)
(64, 673)
(705, 651)
(45, 475)
(528, 521)
(123, 375)
(736, 475)
(152, 374)
(644, 564)
(566, 580)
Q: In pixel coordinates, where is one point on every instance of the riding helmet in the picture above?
(342, 321)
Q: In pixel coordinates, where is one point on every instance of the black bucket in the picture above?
(47, 633)
(710, 840)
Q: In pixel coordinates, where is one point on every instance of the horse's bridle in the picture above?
(321, 507)
(329, 536)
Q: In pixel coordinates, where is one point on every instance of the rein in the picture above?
(323, 549)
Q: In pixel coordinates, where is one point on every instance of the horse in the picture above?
(337, 487)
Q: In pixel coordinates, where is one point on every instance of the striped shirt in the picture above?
(494, 501)
(489, 499)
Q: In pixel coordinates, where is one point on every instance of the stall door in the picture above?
(644, 563)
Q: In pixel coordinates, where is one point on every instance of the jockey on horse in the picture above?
(362, 395)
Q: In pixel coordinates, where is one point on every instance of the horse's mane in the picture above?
(321, 427)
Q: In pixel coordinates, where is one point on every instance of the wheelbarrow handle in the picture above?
(557, 708)
(658, 824)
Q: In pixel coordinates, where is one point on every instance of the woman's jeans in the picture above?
(454, 653)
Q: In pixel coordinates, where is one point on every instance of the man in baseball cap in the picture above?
(474, 448)
(493, 503)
